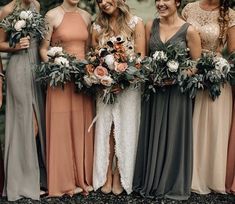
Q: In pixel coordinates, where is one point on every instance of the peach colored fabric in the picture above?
(230, 176)
(68, 116)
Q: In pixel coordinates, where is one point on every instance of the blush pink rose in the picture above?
(121, 67)
(100, 72)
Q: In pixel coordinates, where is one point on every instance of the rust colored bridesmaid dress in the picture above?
(68, 116)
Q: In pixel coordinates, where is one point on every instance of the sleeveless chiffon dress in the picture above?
(68, 116)
(24, 98)
(164, 155)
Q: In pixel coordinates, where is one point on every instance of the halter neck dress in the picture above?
(68, 116)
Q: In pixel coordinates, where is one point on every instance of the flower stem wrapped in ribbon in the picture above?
(60, 69)
(23, 23)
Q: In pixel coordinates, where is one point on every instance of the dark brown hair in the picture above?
(223, 20)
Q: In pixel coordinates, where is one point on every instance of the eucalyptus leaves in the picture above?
(60, 69)
(23, 23)
(212, 73)
(164, 67)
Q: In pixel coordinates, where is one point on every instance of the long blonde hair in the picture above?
(103, 19)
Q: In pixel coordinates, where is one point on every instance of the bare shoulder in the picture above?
(7, 9)
(37, 5)
(53, 13)
(86, 15)
(54, 16)
(192, 31)
(149, 24)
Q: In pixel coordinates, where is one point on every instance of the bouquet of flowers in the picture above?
(23, 23)
(60, 68)
(231, 74)
(212, 73)
(166, 64)
(113, 65)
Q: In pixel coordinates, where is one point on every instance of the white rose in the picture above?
(88, 80)
(61, 61)
(173, 66)
(222, 65)
(94, 79)
(26, 15)
(106, 81)
(23, 15)
(55, 50)
(109, 60)
(19, 25)
(160, 55)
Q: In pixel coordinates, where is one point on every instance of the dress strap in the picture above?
(62, 9)
(155, 26)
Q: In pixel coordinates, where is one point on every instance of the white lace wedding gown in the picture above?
(125, 115)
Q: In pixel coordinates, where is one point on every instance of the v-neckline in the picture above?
(175, 34)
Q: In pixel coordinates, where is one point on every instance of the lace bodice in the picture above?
(103, 39)
(206, 22)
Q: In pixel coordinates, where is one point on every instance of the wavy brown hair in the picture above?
(223, 20)
(103, 19)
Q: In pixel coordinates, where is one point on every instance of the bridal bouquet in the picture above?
(23, 23)
(60, 68)
(166, 65)
(111, 66)
(213, 72)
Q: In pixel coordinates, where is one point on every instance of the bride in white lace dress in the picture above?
(117, 125)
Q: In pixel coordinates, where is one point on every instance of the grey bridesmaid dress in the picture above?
(164, 154)
(24, 159)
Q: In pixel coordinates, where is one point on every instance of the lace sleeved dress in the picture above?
(125, 115)
(211, 119)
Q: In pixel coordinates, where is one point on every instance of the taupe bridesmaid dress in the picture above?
(23, 98)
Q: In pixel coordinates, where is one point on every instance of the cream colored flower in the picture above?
(173, 66)
(109, 60)
(160, 55)
(106, 81)
(20, 24)
(53, 51)
(61, 61)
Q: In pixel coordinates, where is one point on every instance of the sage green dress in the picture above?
(23, 98)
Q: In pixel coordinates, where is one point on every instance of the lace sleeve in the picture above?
(232, 18)
(96, 27)
(133, 22)
(185, 11)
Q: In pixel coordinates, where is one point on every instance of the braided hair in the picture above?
(223, 20)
